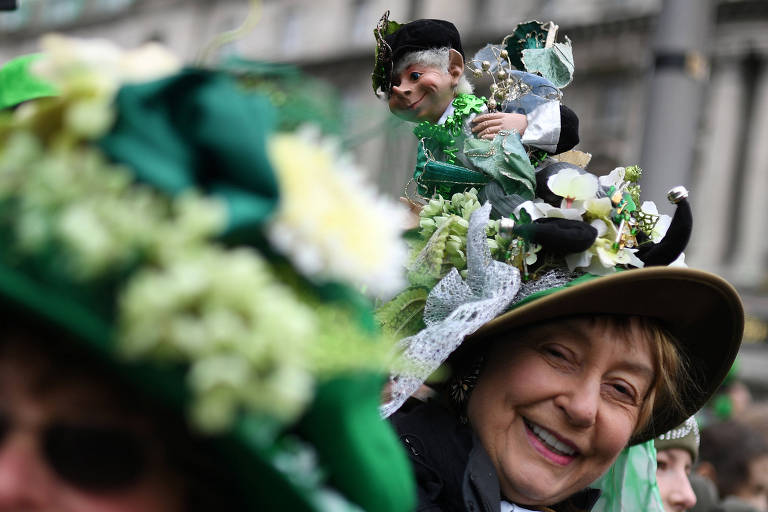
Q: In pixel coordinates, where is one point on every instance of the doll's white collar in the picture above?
(448, 113)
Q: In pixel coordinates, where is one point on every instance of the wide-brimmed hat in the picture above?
(175, 224)
(445, 314)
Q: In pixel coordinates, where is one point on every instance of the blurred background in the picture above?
(679, 87)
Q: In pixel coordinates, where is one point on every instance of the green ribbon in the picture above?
(19, 84)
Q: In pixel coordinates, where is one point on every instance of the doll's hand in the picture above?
(486, 126)
(413, 219)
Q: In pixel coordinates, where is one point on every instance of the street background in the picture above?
(679, 87)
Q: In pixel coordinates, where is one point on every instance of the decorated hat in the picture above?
(170, 223)
(598, 250)
(684, 437)
(394, 41)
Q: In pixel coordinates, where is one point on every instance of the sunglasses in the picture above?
(90, 458)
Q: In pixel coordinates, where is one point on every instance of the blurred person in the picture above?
(735, 458)
(161, 349)
(676, 452)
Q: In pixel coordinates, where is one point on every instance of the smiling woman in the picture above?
(546, 381)
(554, 408)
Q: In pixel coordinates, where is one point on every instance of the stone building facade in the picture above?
(612, 39)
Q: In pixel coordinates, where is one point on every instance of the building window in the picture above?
(611, 109)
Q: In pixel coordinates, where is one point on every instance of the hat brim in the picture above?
(701, 310)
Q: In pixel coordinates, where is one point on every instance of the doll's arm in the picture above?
(551, 126)
(569, 130)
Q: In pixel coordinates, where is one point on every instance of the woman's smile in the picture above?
(549, 444)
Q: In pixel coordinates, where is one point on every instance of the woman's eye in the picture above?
(661, 465)
(624, 391)
(415, 75)
(555, 352)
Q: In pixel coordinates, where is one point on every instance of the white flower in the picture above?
(613, 179)
(571, 185)
(99, 65)
(599, 208)
(601, 259)
(662, 225)
(538, 209)
(331, 224)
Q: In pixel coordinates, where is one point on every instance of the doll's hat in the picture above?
(394, 40)
(157, 229)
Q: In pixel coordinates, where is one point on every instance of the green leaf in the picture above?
(403, 315)
(554, 63)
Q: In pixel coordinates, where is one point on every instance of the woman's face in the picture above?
(554, 409)
(48, 424)
(672, 469)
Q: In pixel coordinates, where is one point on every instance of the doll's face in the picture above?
(422, 93)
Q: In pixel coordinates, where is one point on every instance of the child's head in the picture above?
(420, 67)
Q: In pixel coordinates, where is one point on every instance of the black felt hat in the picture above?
(393, 41)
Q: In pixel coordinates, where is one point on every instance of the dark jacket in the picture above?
(453, 471)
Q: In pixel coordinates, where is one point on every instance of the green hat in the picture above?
(169, 229)
(19, 84)
(684, 437)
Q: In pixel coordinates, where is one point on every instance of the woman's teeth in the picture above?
(551, 441)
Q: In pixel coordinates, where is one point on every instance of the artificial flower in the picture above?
(329, 222)
(572, 185)
(662, 224)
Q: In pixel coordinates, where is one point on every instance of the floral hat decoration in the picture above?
(584, 245)
(168, 220)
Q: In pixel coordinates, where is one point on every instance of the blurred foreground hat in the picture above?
(158, 216)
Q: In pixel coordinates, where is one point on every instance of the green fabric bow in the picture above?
(195, 130)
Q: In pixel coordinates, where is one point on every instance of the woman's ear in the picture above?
(455, 66)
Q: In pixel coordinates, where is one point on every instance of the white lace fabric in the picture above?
(455, 308)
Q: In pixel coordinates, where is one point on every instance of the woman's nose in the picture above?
(580, 403)
(24, 483)
(683, 497)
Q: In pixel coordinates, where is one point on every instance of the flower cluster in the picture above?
(608, 203)
(250, 335)
(88, 74)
